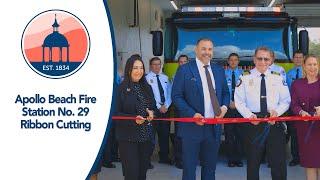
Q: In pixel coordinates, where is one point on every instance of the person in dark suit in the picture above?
(200, 91)
(135, 98)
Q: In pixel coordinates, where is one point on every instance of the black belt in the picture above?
(265, 115)
(262, 115)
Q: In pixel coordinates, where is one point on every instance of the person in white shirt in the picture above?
(263, 94)
(161, 88)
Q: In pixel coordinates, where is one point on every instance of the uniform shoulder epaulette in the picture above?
(245, 72)
(276, 73)
(239, 82)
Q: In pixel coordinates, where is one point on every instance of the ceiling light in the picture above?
(271, 3)
(174, 4)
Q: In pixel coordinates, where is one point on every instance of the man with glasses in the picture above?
(257, 95)
(161, 88)
(275, 69)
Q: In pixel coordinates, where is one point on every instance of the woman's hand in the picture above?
(317, 113)
(140, 120)
(304, 114)
(150, 115)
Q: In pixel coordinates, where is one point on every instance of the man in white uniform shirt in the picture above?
(263, 94)
(161, 88)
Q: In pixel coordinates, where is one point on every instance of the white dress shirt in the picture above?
(208, 109)
(166, 85)
(247, 93)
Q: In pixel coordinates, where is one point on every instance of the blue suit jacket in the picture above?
(187, 96)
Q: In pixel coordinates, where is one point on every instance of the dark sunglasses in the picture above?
(262, 59)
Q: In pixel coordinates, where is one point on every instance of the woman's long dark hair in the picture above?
(128, 70)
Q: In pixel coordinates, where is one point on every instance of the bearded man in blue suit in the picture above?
(200, 91)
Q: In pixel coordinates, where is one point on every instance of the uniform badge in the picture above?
(284, 83)
(245, 72)
(151, 80)
(276, 73)
(239, 82)
(251, 82)
(229, 82)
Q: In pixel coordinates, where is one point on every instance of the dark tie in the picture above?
(233, 85)
(163, 99)
(297, 75)
(263, 96)
(213, 96)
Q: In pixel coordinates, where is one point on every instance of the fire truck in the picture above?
(233, 30)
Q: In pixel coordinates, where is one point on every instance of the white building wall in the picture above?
(132, 40)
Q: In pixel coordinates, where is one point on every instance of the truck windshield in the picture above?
(243, 41)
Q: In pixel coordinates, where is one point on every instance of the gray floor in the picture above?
(164, 172)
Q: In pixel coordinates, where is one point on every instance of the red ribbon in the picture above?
(226, 120)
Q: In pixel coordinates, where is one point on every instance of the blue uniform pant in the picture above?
(234, 137)
(177, 146)
(163, 130)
